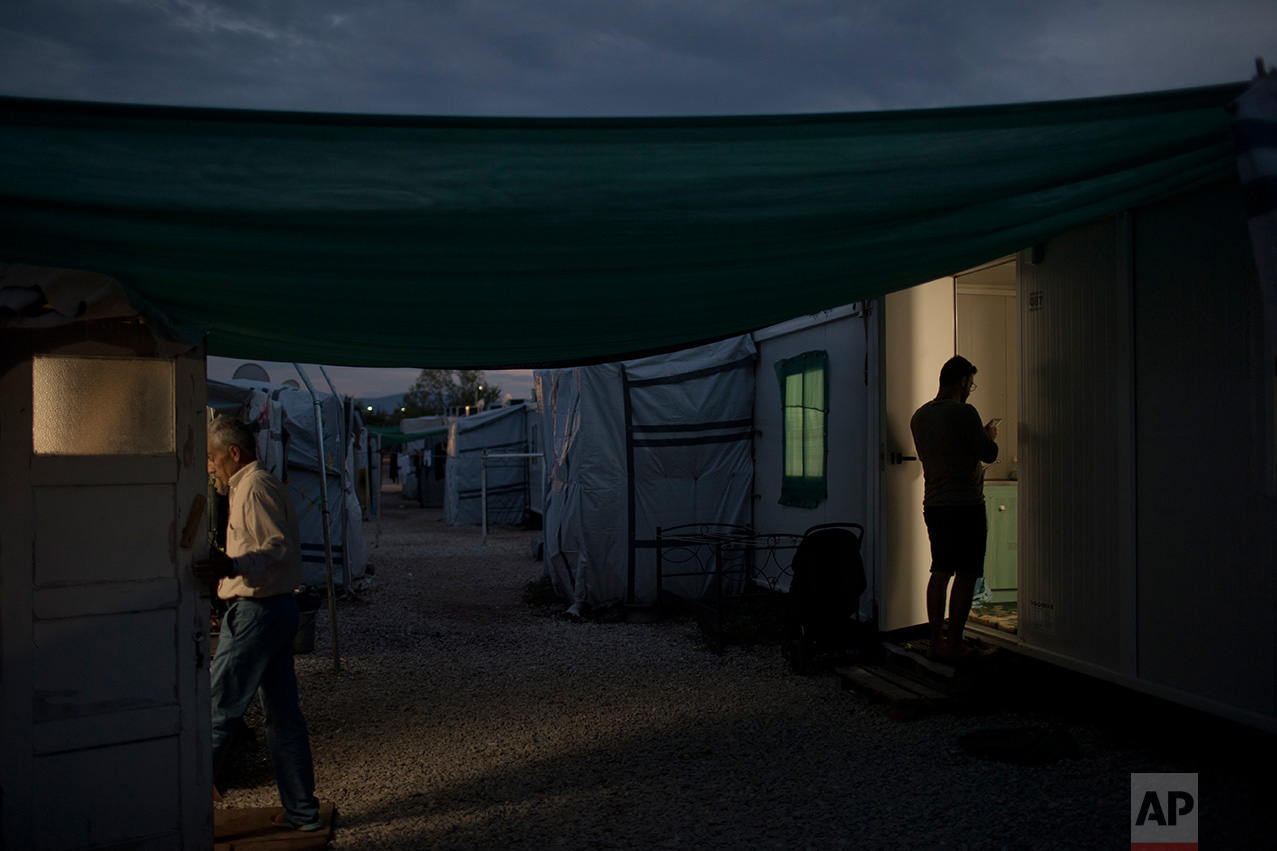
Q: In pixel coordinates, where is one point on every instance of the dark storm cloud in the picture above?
(641, 57)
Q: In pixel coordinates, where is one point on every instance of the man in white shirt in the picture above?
(257, 576)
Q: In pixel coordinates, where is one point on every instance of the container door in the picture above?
(917, 338)
(105, 682)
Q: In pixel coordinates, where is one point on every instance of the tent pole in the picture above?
(323, 505)
(346, 485)
(374, 483)
(483, 495)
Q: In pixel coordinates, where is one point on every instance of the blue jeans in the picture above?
(255, 655)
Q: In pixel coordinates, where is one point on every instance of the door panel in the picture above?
(918, 337)
(92, 534)
(106, 728)
(119, 793)
(105, 685)
(78, 670)
(105, 599)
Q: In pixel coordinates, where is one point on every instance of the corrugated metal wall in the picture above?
(1075, 391)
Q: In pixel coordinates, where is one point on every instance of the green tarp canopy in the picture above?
(487, 242)
(391, 436)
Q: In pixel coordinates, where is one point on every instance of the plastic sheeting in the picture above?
(283, 418)
(423, 465)
(46, 297)
(641, 444)
(500, 431)
(557, 241)
(394, 439)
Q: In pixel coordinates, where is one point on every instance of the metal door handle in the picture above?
(900, 458)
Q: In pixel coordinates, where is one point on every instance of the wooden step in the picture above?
(916, 660)
(903, 696)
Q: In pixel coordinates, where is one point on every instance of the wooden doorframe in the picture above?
(916, 336)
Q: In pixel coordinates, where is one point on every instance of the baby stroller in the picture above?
(824, 597)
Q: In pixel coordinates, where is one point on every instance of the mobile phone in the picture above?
(994, 423)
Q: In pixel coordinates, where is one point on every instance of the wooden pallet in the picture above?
(913, 657)
(901, 694)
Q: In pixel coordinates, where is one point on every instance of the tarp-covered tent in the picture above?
(283, 418)
(502, 431)
(654, 442)
(393, 438)
(427, 454)
(286, 235)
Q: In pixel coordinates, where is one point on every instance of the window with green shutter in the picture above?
(804, 394)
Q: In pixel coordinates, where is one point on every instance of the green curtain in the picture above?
(432, 242)
(804, 393)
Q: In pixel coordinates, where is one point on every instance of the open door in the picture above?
(988, 336)
(917, 337)
(104, 690)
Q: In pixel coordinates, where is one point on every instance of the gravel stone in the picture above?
(466, 718)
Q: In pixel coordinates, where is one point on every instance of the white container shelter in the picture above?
(1130, 362)
(104, 692)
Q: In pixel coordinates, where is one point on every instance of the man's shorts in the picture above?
(958, 534)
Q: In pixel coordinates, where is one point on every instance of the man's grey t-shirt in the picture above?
(951, 443)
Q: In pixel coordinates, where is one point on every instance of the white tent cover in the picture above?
(283, 418)
(636, 445)
(500, 431)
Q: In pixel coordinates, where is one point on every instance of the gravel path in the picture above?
(465, 718)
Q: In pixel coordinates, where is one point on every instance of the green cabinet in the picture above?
(1000, 553)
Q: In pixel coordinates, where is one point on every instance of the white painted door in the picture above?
(105, 685)
(917, 338)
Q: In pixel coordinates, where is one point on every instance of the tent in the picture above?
(499, 431)
(636, 445)
(426, 480)
(283, 419)
(561, 241)
(421, 443)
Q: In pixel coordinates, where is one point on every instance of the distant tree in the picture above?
(436, 390)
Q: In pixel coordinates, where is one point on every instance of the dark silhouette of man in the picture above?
(952, 442)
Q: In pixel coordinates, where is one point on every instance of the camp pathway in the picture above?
(466, 718)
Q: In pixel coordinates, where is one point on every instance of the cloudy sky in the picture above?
(617, 57)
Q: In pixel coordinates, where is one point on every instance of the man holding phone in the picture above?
(952, 442)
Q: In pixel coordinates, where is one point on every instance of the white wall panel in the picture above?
(847, 427)
(1074, 445)
(1206, 530)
